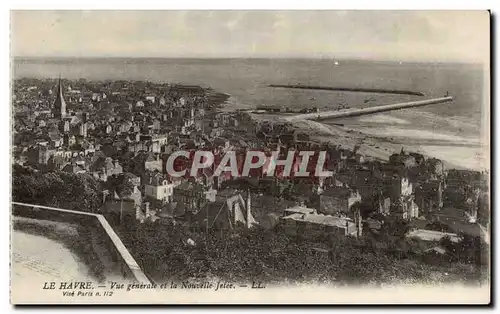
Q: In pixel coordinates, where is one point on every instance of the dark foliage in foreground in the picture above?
(243, 256)
(57, 189)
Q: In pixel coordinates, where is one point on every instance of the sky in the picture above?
(381, 35)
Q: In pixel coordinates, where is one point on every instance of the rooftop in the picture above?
(321, 219)
(431, 235)
(300, 209)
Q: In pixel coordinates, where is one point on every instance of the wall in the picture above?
(100, 229)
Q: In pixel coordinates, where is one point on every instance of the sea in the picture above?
(457, 132)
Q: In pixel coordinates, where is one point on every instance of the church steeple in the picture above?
(59, 104)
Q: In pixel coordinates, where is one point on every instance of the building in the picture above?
(157, 142)
(432, 235)
(158, 188)
(59, 106)
(39, 155)
(227, 212)
(64, 125)
(299, 209)
(472, 204)
(74, 167)
(122, 208)
(69, 140)
(384, 205)
(55, 139)
(192, 196)
(435, 168)
(429, 196)
(335, 200)
(146, 161)
(403, 159)
(124, 126)
(222, 119)
(102, 168)
(401, 193)
(302, 221)
(162, 101)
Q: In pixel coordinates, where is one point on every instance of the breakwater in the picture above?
(331, 114)
(350, 89)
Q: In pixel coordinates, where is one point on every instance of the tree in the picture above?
(395, 227)
(57, 189)
(438, 226)
(448, 245)
(123, 186)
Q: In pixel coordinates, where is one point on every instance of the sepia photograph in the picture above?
(250, 157)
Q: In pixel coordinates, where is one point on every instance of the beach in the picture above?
(456, 152)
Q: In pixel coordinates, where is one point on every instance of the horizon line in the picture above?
(325, 58)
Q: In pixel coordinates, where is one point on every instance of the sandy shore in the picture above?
(233, 104)
(456, 152)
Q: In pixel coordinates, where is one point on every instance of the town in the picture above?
(103, 147)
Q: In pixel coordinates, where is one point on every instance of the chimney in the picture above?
(249, 208)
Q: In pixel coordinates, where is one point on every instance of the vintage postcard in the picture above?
(250, 157)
